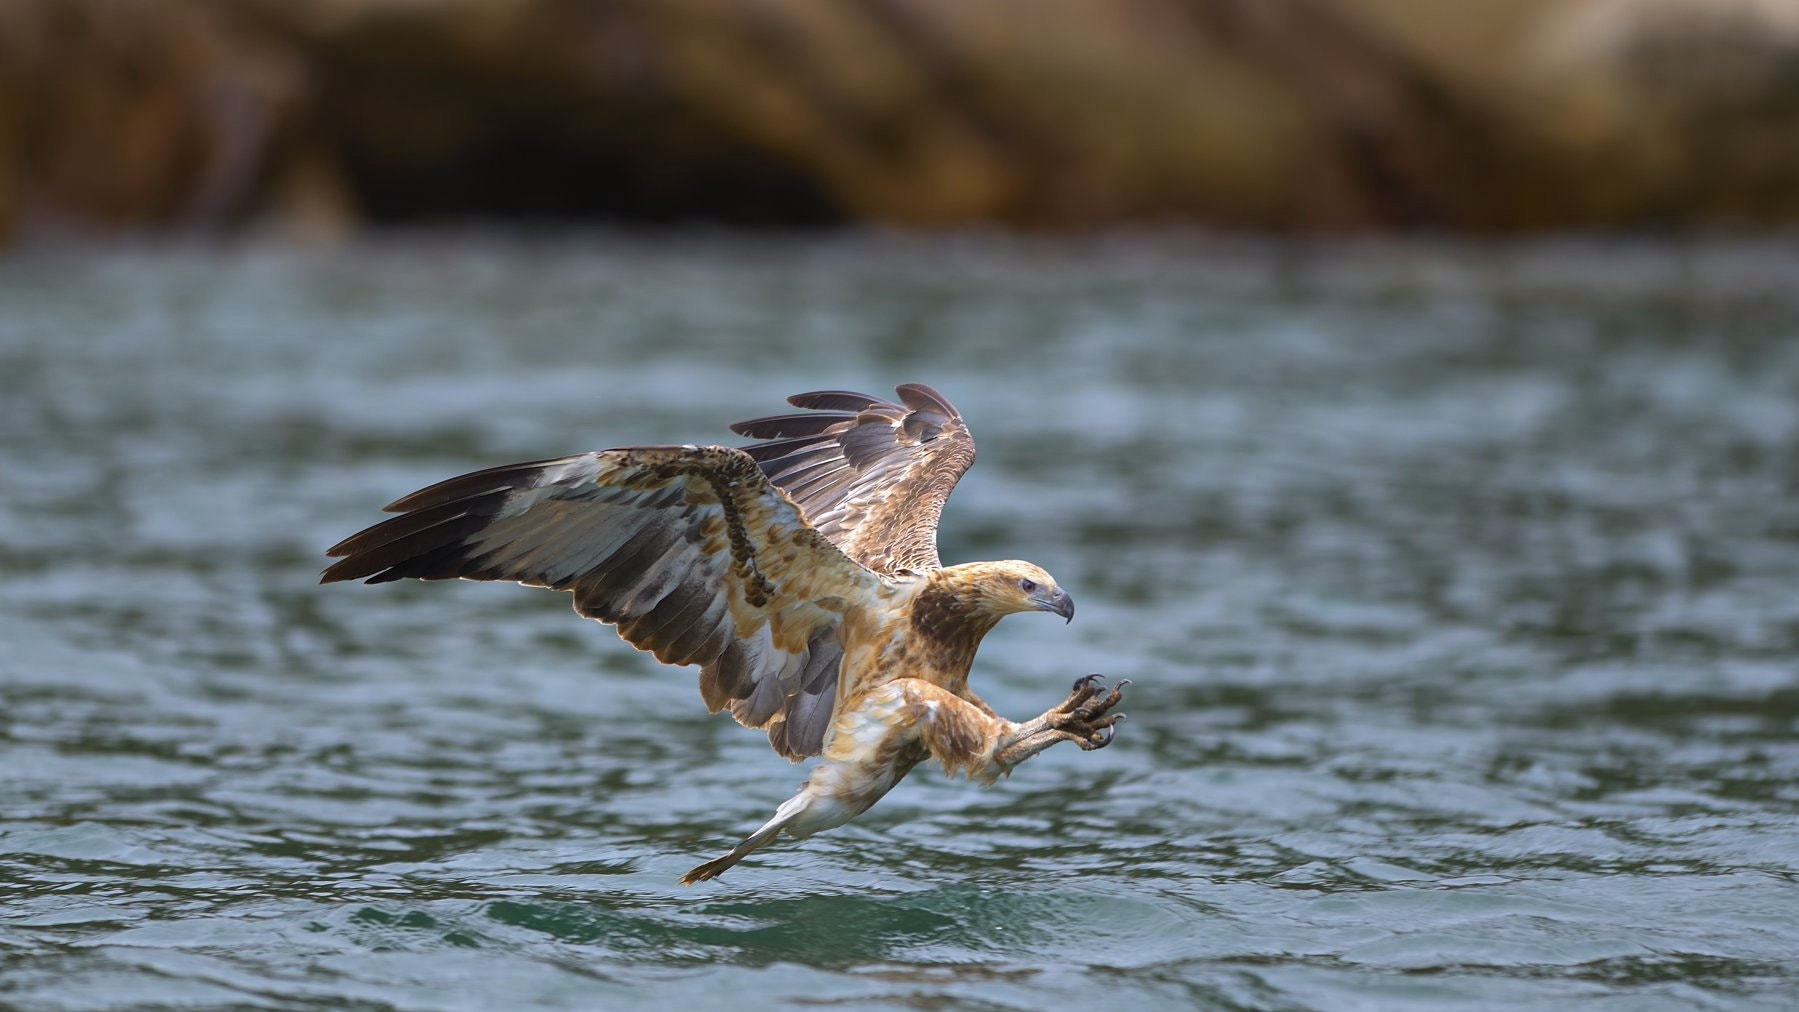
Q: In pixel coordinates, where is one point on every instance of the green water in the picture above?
(1459, 586)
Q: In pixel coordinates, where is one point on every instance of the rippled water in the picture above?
(1460, 588)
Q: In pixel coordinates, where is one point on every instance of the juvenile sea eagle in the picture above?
(800, 572)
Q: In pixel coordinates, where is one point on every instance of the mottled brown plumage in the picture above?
(871, 475)
(800, 574)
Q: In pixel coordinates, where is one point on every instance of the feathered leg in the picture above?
(885, 731)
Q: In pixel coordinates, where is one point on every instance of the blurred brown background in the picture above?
(318, 117)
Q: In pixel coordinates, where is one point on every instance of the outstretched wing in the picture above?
(689, 551)
(871, 475)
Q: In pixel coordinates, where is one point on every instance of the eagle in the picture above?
(799, 572)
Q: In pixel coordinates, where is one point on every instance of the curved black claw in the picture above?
(1090, 708)
(1085, 688)
(1102, 734)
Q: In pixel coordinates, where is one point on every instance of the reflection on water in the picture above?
(1456, 583)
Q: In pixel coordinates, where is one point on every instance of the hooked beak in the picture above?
(1061, 604)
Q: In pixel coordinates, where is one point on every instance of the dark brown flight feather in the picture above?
(870, 475)
(689, 551)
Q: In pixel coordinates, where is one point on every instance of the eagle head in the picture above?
(998, 589)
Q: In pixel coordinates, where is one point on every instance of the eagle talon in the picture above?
(1114, 696)
(1090, 708)
(1085, 688)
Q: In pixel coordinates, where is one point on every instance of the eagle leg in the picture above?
(1083, 718)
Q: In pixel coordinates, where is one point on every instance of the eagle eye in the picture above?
(1028, 586)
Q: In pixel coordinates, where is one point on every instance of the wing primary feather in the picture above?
(794, 478)
(446, 563)
(506, 476)
(865, 444)
(411, 523)
(787, 426)
(781, 447)
(786, 463)
(836, 400)
(919, 397)
(389, 553)
(801, 490)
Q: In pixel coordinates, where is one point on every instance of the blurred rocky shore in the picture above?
(317, 117)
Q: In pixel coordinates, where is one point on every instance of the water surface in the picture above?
(1457, 584)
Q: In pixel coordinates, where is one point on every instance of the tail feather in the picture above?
(801, 815)
(715, 867)
(789, 810)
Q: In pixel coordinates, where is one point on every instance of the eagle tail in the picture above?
(789, 810)
(807, 812)
(716, 867)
